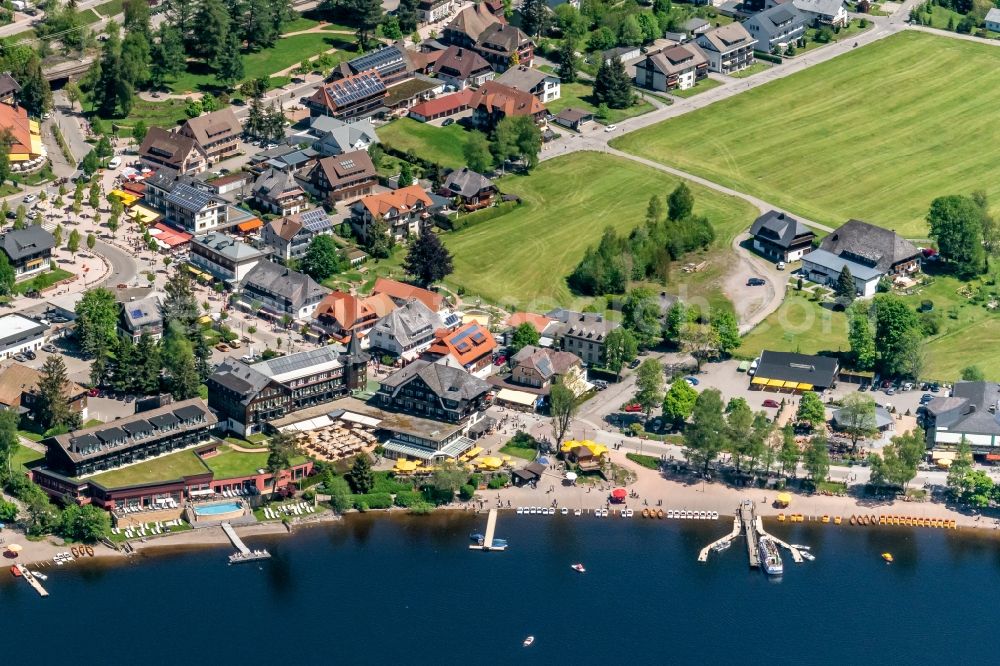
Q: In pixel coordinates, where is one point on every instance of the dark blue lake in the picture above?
(377, 590)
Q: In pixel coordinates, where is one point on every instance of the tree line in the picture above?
(648, 251)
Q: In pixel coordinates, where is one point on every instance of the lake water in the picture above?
(377, 590)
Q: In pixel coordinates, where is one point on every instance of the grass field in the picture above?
(579, 96)
(230, 463)
(755, 68)
(524, 257)
(286, 52)
(22, 456)
(167, 468)
(155, 114)
(875, 134)
(808, 327)
(42, 281)
(522, 452)
(700, 87)
(444, 145)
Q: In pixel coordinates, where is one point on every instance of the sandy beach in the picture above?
(651, 488)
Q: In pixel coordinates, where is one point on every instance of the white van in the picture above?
(115, 163)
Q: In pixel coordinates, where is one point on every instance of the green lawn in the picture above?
(22, 456)
(230, 463)
(875, 134)
(799, 325)
(298, 24)
(444, 145)
(700, 87)
(579, 96)
(941, 15)
(167, 468)
(523, 257)
(522, 452)
(42, 281)
(755, 68)
(286, 52)
(159, 114)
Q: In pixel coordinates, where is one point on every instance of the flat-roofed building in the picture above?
(226, 258)
(19, 334)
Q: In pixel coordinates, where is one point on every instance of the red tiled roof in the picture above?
(493, 96)
(16, 120)
(447, 104)
(465, 344)
(403, 291)
(402, 199)
(536, 320)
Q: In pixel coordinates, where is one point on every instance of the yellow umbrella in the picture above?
(15, 548)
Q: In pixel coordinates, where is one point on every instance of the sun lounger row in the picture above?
(146, 529)
(296, 509)
(237, 492)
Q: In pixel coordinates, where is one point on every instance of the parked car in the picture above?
(448, 121)
(600, 384)
(633, 407)
(500, 360)
(222, 347)
(634, 364)
(93, 393)
(925, 398)
(770, 402)
(756, 282)
(20, 358)
(115, 162)
(908, 386)
(30, 199)
(781, 266)
(30, 355)
(235, 344)
(50, 348)
(611, 128)
(935, 387)
(693, 381)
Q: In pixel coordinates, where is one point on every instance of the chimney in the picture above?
(459, 53)
(781, 216)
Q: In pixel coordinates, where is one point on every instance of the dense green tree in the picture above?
(360, 477)
(405, 175)
(168, 59)
(136, 17)
(811, 409)
(961, 468)
(816, 458)
(180, 304)
(179, 361)
(477, 152)
(8, 276)
(338, 490)
(535, 17)
(569, 61)
(150, 365)
(209, 31)
(136, 58)
(562, 410)
(861, 336)
(845, 284)
(706, 435)
(701, 341)
(571, 23)
(8, 511)
(9, 440)
(649, 385)
(280, 448)
(677, 317)
(97, 321)
(52, 406)
(739, 431)
(322, 259)
(378, 241)
(641, 315)
(427, 260)
(789, 453)
(723, 322)
(620, 347)
(365, 16)
(91, 163)
(630, 32)
(524, 335)
(612, 85)
(406, 13)
(229, 61)
(24, 64)
(86, 523)
(856, 416)
(680, 203)
(956, 225)
(897, 464)
(651, 29)
(678, 403)
(112, 93)
(517, 138)
(897, 336)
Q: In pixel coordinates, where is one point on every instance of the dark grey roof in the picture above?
(163, 420)
(273, 183)
(277, 279)
(773, 22)
(466, 182)
(8, 85)
(584, 325)
(869, 245)
(779, 228)
(109, 435)
(408, 323)
(971, 409)
(315, 220)
(386, 58)
(142, 312)
(191, 198)
(189, 412)
(820, 371)
(241, 378)
(137, 427)
(445, 381)
(165, 179)
(20, 243)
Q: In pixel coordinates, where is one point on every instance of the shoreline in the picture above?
(651, 486)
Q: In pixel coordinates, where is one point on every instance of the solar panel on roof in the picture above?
(316, 220)
(347, 164)
(462, 346)
(137, 313)
(478, 337)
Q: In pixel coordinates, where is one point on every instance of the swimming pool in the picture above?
(217, 509)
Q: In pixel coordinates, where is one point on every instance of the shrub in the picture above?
(408, 499)
(498, 481)
(386, 483)
(437, 496)
(421, 508)
(649, 462)
(466, 492)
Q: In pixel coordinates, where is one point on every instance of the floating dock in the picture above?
(747, 521)
(244, 554)
(491, 528)
(32, 581)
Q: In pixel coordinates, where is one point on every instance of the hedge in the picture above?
(461, 221)
(769, 57)
(467, 492)
(371, 501)
(408, 498)
(386, 483)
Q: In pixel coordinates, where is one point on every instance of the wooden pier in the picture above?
(748, 518)
(32, 581)
(751, 525)
(703, 555)
(243, 553)
(491, 528)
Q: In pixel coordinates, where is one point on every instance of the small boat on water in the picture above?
(90, 551)
(75, 554)
(39, 575)
(826, 518)
(887, 557)
(16, 571)
(577, 512)
(564, 511)
(520, 509)
(854, 520)
(645, 513)
(807, 555)
(578, 568)
(837, 520)
(499, 543)
(528, 641)
(659, 513)
(476, 536)
(798, 546)
(721, 546)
